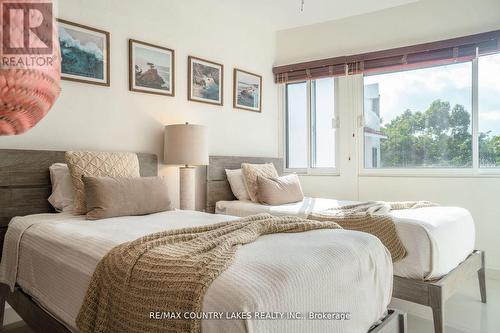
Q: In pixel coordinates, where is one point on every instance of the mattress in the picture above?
(437, 238)
(53, 256)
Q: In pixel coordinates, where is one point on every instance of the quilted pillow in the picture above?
(98, 164)
(250, 174)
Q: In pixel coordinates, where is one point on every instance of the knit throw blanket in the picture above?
(171, 271)
(372, 217)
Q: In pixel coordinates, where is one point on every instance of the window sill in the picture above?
(313, 172)
(436, 173)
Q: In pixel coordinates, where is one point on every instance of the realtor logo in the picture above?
(27, 27)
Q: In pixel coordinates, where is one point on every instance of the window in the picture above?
(489, 110)
(419, 118)
(311, 134)
(297, 126)
(323, 123)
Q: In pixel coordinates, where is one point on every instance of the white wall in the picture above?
(414, 23)
(99, 118)
(423, 21)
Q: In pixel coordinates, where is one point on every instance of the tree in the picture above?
(439, 136)
(489, 150)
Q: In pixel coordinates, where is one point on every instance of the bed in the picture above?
(55, 261)
(439, 240)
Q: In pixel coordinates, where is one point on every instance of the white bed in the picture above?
(52, 258)
(437, 239)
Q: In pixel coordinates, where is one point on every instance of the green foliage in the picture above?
(437, 137)
(489, 150)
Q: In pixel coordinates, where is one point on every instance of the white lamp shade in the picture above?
(186, 144)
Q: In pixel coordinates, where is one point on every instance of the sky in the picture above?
(489, 93)
(248, 78)
(144, 53)
(417, 89)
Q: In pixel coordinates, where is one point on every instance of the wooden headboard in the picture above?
(25, 181)
(218, 188)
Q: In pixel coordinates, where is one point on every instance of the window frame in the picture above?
(310, 169)
(474, 171)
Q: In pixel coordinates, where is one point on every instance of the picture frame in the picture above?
(85, 53)
(205, 81)
(159, 78)
(247, 90)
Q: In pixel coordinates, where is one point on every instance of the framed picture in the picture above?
(247, 91)
(205, 81)
(84, 53)
(151, 68)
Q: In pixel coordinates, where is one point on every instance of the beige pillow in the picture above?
(110, 197)
(250, 174)
(98, 164)
(279, 191)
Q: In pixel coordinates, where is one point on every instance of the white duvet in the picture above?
(437, 239)
(53, 256)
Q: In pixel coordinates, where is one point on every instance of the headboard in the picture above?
(218, 188)
(25, 181)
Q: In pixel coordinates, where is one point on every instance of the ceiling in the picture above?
(285, 14)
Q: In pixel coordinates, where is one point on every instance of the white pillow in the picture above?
(237, 183)
(62, 196)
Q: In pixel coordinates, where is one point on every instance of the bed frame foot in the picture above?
(437, 306)
(2, 308)
(482, 279)
(438, 317)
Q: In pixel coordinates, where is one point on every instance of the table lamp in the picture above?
(187, 145)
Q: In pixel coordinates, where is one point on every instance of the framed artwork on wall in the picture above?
(84, 53)
(205, 81)
(151, 68)
(247, 90)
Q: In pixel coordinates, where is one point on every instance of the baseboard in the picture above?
(10, 316)
(493, 274)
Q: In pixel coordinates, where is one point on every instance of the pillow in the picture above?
(252, 171)
(237, 183)
(281, 190)
(98, 164)
(111, 197)
(62, 195)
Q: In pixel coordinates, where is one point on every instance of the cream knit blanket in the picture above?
(372, 217)
(170, 271)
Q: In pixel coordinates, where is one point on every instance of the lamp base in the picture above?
(187, 188)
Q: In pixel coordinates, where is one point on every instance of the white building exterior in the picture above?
(372, 126)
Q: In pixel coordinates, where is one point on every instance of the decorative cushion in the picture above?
(109, 197)
(237, 183)
(98, 164)
(279, 191)
(252, 171)
(62, 196)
